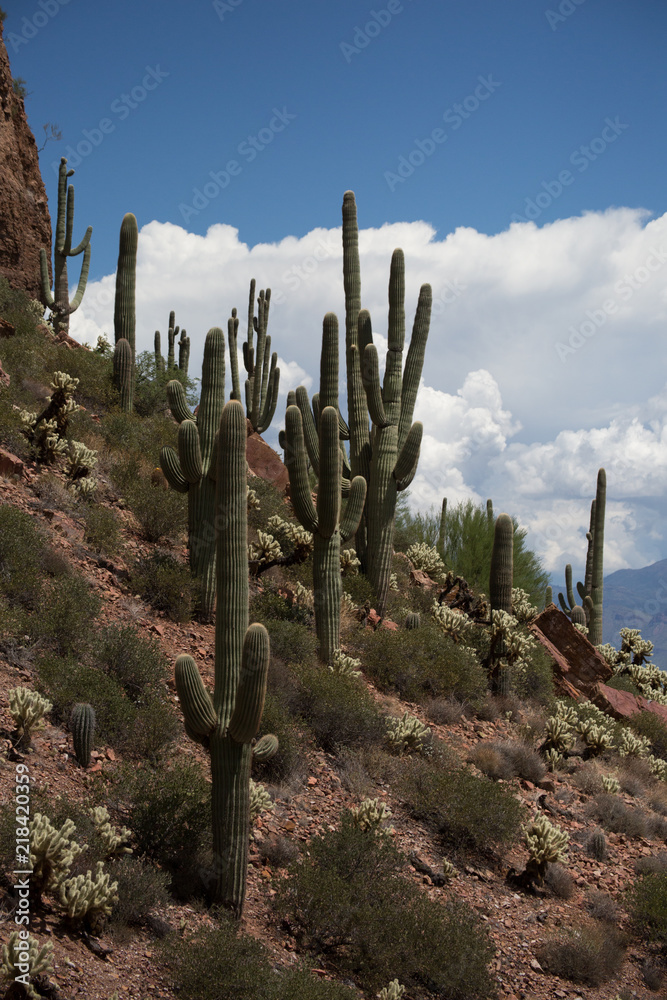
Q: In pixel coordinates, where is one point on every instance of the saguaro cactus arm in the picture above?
(171, 467)
(178, 403)
(298, 471)
(354, 509)
(196, 702)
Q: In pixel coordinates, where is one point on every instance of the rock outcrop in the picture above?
(577, 665)
(25, 225)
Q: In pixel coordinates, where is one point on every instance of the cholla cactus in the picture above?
(393, 582)
(558, 735)
(392, 992)
(260, 800)
(610, 784)
(292, 535)
(23, 958)
(265, 550)
(597, 738)
(344, 665)
(453, 623)
(632, 642)
(253, 501)
(408, 734)
(52, 851)
(80, 461)
(567, 713)
(346, 603)
(427, 559)
(522, 609)
(546, 843)
(658, 767)
(88, 898)
(114, 841)
(633, 746)
(47, 430)
(27, 708)
(304, 596)
(370, 815)
(349, 564)
(448, 869)
(553, 759)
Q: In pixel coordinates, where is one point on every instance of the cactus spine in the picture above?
(324, 520)
(227, 722)
(58, 301)
(261, 385)
(124, 316)
(192, 470)
(82, 726)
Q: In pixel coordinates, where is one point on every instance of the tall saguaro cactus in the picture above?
(324, 519)
(58, 300)
(227, 722)
(387, 458)
(183, 348)
(124, 314)
(261, 386)
(396, 439)
(193, 469)
(501, 577)
(591, 591)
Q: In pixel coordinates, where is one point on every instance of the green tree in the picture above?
(469, 544)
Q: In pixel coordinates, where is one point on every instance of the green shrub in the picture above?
(536, 681)
(219, 962)
(351, 899)
(141, 888)
(271, 502)
(290, 758)
(168, 809)
(101, 530)
(622, 682)
(66, 682)
(338, 709)
(589, 954)
(467, 810)
(66, 611)
(648, 905)
(650, 725)
(21, 552)
(165, 583)
(360, 589)
(291, 642)
(161, 513)
(136, 661)
(270, 606)
(155, 726)
(422, 663)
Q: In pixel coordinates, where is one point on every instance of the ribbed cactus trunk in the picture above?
(500, 595)
(357, 335)
(442, 532)
(261, 386)
(595, 616)
(192, 470)
(124, 316)
(228, 722)
(396, 440)
(328, 527)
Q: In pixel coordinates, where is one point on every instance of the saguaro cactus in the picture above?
(324, 519)
(261, 385)
(591, 591)
(124, 315)
(500, 595)
(193, 469)
(58, 300)
(388, 459)
(227, 722)
(82, 726)
(396, 440)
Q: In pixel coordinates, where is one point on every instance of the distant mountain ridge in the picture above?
(635, 598)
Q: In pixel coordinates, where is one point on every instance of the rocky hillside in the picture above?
(443, 882)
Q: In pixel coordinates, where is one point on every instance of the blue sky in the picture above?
(515, 150)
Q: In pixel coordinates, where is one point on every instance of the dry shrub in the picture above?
(445, 711)
(588, 954)
(490, 761)
(601, 906)
(559, 880)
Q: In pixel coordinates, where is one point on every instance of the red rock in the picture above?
(388, 623)
(372, 618)
(418, 578)
(159, 629)
(10, 465)
(264, 462)
(6, 329)
(578, 667)
(25, 225)
(623, 704)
